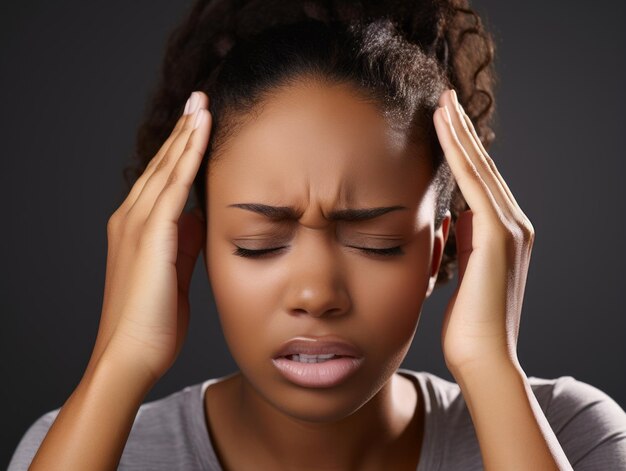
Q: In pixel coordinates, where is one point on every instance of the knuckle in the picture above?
(516, 234)
(489, 160)
(119, 228)
(468, 166)
(153, 161)
(528, 231)
(189, 145)
(191, 150)
(524, 228)
(464, 125)
(162, 163)
(172, 179)
(114, 222)
(520, 232)
(188, 126)
(179, 124)
(132, 223)
(164, 147)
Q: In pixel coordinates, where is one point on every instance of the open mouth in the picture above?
(303, 358)
(317, 362)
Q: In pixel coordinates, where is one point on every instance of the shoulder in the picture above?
(589, 424)
(31, 440)
(161, 432)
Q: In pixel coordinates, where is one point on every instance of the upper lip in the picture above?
(318, 346)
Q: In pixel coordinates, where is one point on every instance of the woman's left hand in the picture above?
(494, 241)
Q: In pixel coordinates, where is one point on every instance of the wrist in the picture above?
(486, 367)
(93, 425)
(113, 370)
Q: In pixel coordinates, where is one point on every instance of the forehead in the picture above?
(312, 140)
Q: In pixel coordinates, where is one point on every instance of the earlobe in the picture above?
(441, 237)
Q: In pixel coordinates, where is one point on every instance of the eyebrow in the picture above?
(280, 213)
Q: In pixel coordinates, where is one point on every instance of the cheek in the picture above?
(390, 299)
(386, 297)
(246, 298)
(243, 287)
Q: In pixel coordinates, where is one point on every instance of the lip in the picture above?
(318, 345)
(325, 374)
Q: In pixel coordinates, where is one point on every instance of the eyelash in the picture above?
(388, 252)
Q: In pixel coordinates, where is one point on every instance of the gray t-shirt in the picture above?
(171, 433)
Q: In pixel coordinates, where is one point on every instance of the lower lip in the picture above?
(318, 375)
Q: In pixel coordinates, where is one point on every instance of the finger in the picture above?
(474, 189)
(196, 100)
(172, 198)
(162, 172)
(485, 155)
(140, 182)
(108, 323)
(490, 161)
(183, 124)
(475, 154)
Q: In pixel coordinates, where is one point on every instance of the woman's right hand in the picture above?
(152, 250)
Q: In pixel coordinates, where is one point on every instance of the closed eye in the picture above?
(391, 251)
(254, 253)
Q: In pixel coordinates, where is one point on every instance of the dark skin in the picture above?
(336, 152)
(222, 403)
(319, 147)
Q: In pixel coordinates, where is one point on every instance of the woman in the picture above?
(343, 180)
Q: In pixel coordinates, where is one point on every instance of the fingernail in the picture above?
(186, 110)
(456, 102)
(199, 119)
(192, 103)
(446, 114)
(195, 102)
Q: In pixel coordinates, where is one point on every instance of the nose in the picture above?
(317, 286)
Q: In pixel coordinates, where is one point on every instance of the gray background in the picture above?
(75, 78)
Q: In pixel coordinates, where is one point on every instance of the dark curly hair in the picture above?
(399, 55)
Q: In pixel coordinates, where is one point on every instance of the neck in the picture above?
(386, 426)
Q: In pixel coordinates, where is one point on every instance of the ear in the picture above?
(441, 236)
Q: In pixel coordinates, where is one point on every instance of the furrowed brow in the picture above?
(282, 213)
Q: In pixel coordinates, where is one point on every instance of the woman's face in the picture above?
(318, 149)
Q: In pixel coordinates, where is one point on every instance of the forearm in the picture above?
(512, 430)
(92, 427)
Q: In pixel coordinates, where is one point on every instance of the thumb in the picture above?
(191, 238)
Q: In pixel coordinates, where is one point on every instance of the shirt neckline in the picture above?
(430, 452)
(429, 460)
